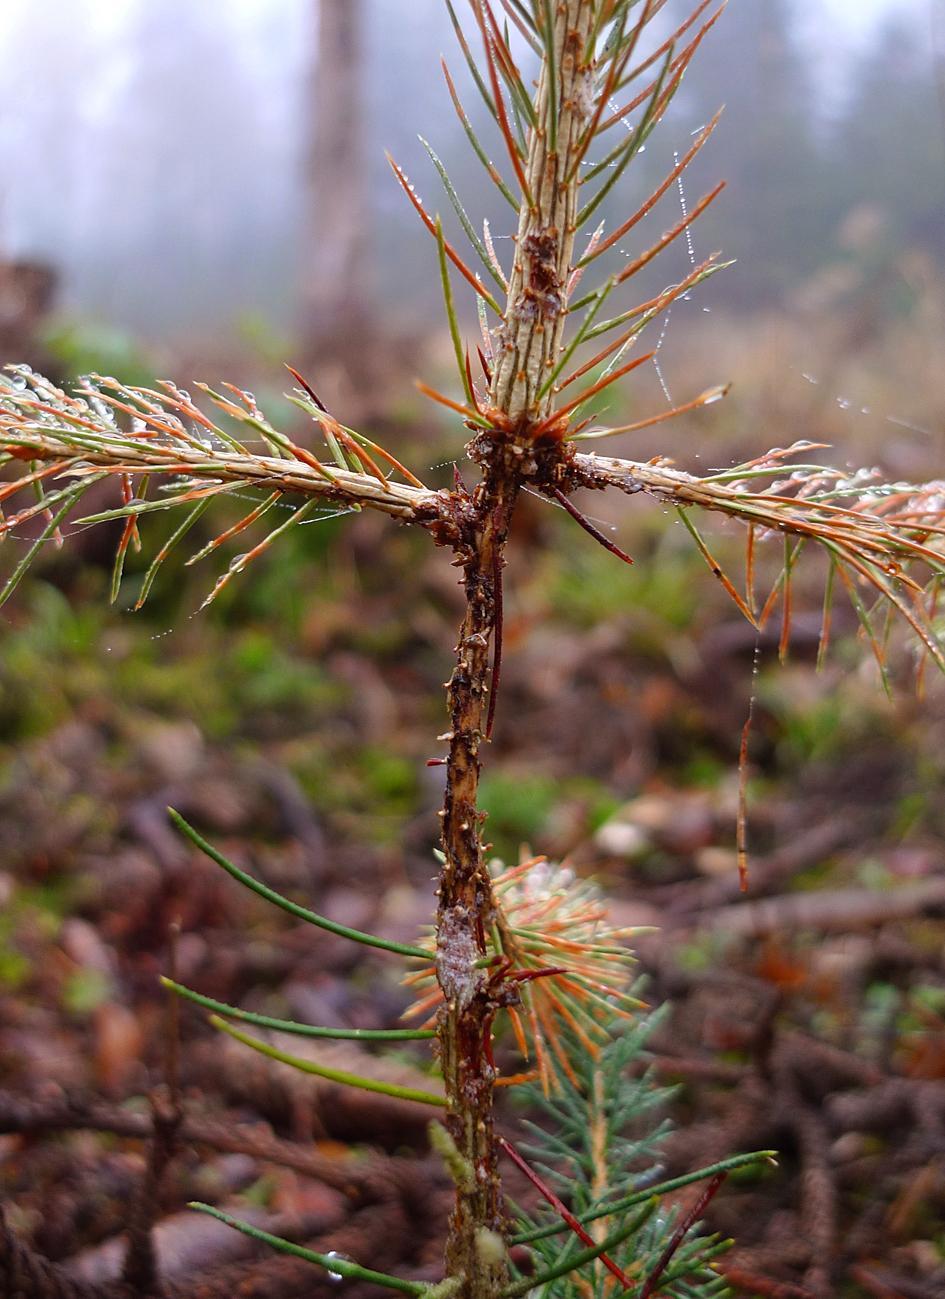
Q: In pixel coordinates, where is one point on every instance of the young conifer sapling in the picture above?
(574, 89)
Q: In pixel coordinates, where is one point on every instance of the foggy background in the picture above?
(157, 154)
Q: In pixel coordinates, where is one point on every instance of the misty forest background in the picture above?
(160, 156)
(199, 191)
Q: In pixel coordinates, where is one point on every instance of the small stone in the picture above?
(716, 862)
(622, 839)
(852, 1145)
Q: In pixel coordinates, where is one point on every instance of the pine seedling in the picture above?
(597, 1145)
(570, 114)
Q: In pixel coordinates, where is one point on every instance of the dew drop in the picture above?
(333, 1253)
(103, 411)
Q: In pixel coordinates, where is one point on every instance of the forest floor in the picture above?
(291, 725)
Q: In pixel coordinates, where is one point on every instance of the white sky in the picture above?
(861, 14)
(835, 30)
(851, 21)
(857, 16)
(68, 128)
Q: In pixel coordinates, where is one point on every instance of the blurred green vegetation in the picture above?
(81, 346)
(34, 913)
(271, 663)
(62, 655)
(281, 658)
(520, 806)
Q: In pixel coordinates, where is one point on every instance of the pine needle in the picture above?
(342, 1076)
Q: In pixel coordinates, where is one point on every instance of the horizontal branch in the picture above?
(56, 445)
(247, 469)
(913, 531)
(876, 535)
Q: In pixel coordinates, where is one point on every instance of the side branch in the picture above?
(334, 485)
(885, 520)
(165, 452)
(879, 537)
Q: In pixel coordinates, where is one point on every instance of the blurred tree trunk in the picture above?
(334, 307)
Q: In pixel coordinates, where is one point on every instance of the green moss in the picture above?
(704, 771)
(47, 665)
(930, 997)
(588, 586)
(823, 725)
(600, 802)
(35, 912)
(270, 679)
(15, 968)
(89, 347)
(518, 807)
(389, 776)
(365, 791)
(85, 990)
(230, 682)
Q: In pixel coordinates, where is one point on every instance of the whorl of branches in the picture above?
(884, 541)
(549, 353)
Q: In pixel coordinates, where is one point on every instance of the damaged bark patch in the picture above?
(544, 291)
(456, 956)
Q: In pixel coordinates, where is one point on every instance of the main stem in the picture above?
(527, 344)
(466, 911)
